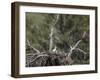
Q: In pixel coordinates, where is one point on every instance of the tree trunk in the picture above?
(51, 39)
(52, 32)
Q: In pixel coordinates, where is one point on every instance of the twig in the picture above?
(44, 55)
(81, 50)
(77, 43)
(32, 47)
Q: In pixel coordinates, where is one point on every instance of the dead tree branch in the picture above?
(81, 50)
(28, 43)
(52, 32)
(44, 55)
(75, 46)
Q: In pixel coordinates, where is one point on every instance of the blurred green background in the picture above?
(67, 31)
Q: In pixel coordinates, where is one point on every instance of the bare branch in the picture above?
(36, 50)
(81, 50)
(75, 46)
(57, 18)
(51, 39)
(84, 34)
(32, 47)
(78, 42)
(28, 43)
(44, 55)
(52, 32)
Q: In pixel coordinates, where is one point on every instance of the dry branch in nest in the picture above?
(48, 59)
